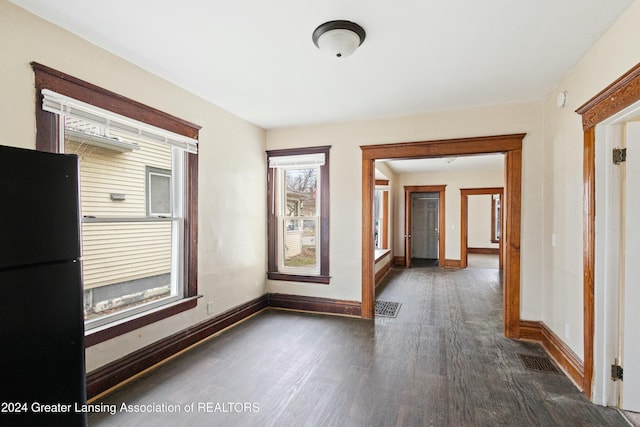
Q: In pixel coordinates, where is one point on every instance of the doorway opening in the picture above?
(430, 242)
(481, 243)
(511, 147)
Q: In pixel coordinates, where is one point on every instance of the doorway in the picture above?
(619, 96)
(617, 261)
(437, 221)
(496, 223)
(511, 146)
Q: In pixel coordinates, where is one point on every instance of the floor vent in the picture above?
(537, 363)
(387, 308)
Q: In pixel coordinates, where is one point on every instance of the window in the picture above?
(138, 187)
(495, 217)
(158, 190)
(381, 215)
(298, 219)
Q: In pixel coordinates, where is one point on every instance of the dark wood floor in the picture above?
(441, 362)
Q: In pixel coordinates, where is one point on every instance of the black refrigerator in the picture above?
(42, 368)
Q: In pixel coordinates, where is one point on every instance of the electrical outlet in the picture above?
(210, 307)
(554, 240)
(566, 331)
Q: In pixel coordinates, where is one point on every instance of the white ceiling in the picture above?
(255, 58)
(447, 164)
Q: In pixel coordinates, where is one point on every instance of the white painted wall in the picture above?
(454, 182)
(479, 219)
(562, 285)
(346, 186)
(231, 252)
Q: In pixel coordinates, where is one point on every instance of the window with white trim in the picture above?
(298, 217)
(132, 196)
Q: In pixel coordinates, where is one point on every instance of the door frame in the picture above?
(408, 207)
(464, 220)
(620, 94)
(511, 146)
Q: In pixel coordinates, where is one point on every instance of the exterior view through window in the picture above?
(131, 222)
(299, 219)
(132, 198)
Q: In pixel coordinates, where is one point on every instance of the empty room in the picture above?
(326, 214)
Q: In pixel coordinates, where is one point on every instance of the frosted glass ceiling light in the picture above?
(338, 39)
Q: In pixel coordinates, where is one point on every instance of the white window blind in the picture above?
(60, 104)
(302, 160)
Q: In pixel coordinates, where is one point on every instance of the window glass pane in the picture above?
(125, 265)
(300, 192)
(159, 192)
(377, 218)
(129, 258)
(299, 243)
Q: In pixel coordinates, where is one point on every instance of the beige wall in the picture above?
(613, 55)
(454, 182)
(479, 218)
(231, 253)
(346, 191)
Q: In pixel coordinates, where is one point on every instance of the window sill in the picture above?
(380, 254)
(324, 280)
(107, 332)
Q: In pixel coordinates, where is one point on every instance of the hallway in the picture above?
(441, 362)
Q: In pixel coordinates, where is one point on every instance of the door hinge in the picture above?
(619, 155)
(616, 372)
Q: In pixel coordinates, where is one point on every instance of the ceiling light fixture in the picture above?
(338, 39)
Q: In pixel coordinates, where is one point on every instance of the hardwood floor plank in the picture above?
(443, 361)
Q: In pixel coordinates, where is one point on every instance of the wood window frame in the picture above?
(511, 146)
(47, 139)
(620, 94)
(272, 223)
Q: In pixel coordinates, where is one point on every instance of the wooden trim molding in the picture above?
(614, 98)
(383, 272)
(314, 304)
(511, 145)
(556, 348)
(118, 371)
(484, 251)
(620, 94)
(382, 182)
(398, 260)
(48, 78)
(408, 206)
(452, 263)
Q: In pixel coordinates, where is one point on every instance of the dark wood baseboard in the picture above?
(322, 305)
(451, 263)
(556, 348)
(486, 251)
(398, 260)
(383, 272)
(120, 370)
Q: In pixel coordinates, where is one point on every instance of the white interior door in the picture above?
(630, 295)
